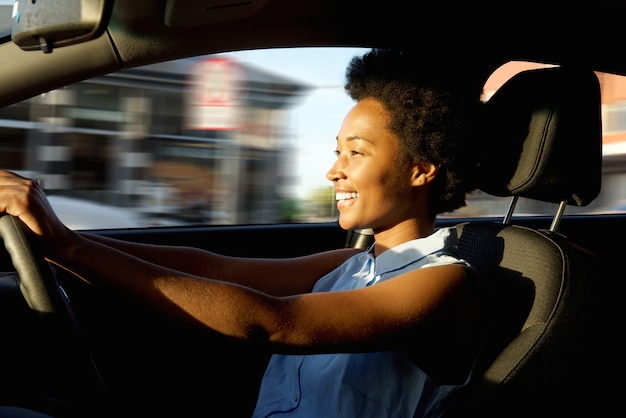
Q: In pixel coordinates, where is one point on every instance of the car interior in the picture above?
(72, 350)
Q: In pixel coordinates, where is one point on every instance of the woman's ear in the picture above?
(423, 173)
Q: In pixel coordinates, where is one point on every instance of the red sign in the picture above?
(214, 89)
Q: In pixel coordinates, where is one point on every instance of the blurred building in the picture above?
(202, 139)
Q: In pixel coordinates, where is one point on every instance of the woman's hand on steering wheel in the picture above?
(25, 199)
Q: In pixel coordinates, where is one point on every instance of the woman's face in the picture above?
(373, 188)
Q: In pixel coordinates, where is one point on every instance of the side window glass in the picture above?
(239, 138)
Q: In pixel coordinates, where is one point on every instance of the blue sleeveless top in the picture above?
(374, 384)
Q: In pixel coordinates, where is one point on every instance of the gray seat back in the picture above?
(546, 138)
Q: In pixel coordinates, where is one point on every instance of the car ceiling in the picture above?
(475, 36)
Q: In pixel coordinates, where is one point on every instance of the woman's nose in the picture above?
(336, 172)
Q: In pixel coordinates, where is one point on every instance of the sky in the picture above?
(320, 114)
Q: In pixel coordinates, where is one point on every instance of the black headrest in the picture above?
(545, 137)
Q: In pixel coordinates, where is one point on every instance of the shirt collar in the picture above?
(411, 251)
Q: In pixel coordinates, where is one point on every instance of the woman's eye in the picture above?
(350, 153)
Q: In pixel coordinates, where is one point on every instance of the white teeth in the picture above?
(345, 196)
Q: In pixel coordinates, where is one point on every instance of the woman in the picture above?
(386, 332)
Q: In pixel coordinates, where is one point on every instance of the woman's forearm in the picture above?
(222, 307)
(186, 259)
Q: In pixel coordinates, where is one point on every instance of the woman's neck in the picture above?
(402, 232)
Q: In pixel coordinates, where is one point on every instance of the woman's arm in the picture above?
(376, 317)
(272, 276)
(411, 309)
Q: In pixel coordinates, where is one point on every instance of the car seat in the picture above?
(545, 143)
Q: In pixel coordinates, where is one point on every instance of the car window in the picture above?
(238, 138)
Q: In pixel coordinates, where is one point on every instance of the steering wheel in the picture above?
(44, 295)
(38, 282)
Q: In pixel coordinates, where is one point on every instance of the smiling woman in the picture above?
(407, 310)
(150, 118)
